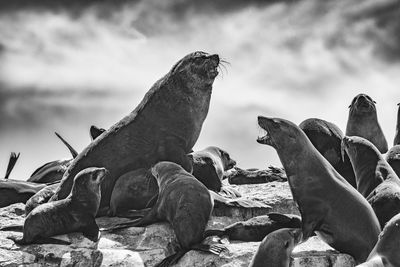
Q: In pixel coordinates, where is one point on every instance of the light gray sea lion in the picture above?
(327, 138)
(76, 213)
(328, 204)
(363, 122)
(276, 248)
(386, 251)
(164, 126)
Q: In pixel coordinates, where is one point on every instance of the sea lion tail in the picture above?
(71, 149)
(212, 232)
(13, 227)
(11, 163)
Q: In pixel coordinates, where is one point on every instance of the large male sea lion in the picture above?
(276, 248)
(363, 121)
(386, 251)
(76, 213)
(327, 138)
(393, 158)
(370, 167)
(185, 203)
(328, 204)
(164, 126)
(396, 140)
(256, 228)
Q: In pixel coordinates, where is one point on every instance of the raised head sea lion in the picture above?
(393, 158)
(276, 248)
(363, 122)
(328, 204)
(209, 165)
(386, 251)
(396, 140)
(76, 213)
(185, 203)
(368, 164)
(256, 228)
(327, 138)
(164, 126)
(11, 163)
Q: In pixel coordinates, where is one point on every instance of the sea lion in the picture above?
(396, 140)
(363, 121)
(370, 167)
(11, 163)
(41, 197)
(133, 191)
(17, 191)
(327, 138)
(256, 228)
(209, 165)
(328, 204)
(386, 251)
(96, 132)
(164, 126)
(185, 203)
(393, 158)
(276, 248)
(53, 171)
(255, 176)
(76, 213)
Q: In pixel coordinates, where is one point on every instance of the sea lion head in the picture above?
(227, 162)
(362, 103)
(197, 70)
(359, 149)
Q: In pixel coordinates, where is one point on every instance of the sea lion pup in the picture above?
(185, 203)
(164, 126)
(369, 165)
(396, 140)
(76, 213)
(11, 163)
(41, 197)
(256, 228)
(393, 158)
(386, 251)
(96, 132)
(363, 121)
(276, 248)
(209, 165)
(328, 204)
(327, 138)
(53, 171)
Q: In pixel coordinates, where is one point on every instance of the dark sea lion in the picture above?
(185, 203)
(328, 204)
(396, 140)
(386, 251)
(11, 163)
(132, 191)
(41, 197)
(256, 228)
(209, 165)
(76, 213)
(96, 132)
(255, 176)
(327, 138)
(363, 122)
(53, 171)
(368, 163)
(276, 248)
(393, 158)
(164, 126)
(17, 191)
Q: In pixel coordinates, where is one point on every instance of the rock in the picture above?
(146, 246)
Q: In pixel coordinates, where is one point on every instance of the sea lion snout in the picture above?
(266, 124)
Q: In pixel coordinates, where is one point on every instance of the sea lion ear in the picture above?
(374, 101)
(398, 104)
(349, 106)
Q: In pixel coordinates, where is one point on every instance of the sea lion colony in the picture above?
(142, 168)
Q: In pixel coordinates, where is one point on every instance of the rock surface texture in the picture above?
(139, 246)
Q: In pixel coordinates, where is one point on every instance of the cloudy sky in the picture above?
(65, 65)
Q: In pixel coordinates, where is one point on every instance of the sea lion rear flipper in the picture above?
(14, 227)
(11, 163)
(71, 149)
(172, 259)
(91, 231)
(119, 226)
(96, 132)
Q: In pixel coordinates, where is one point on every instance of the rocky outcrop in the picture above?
(146, 246)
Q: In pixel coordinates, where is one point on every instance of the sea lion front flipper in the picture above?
(215, 232)
(309, 225)
(14, 227)
(71, 149)
(172, 259)
(11, 163)
(91, 231)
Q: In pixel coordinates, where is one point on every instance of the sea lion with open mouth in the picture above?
(363, 122)
(328, 204)
(164, 126)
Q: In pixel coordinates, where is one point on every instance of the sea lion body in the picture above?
(328, 204)
(393, 158)
(256, 228)
(327, 138)
(276, 248)
(363, 122)
(41, 197)
(209, 165)
(164, 126)
(386, 251)
(17, 191)
(72, 214)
